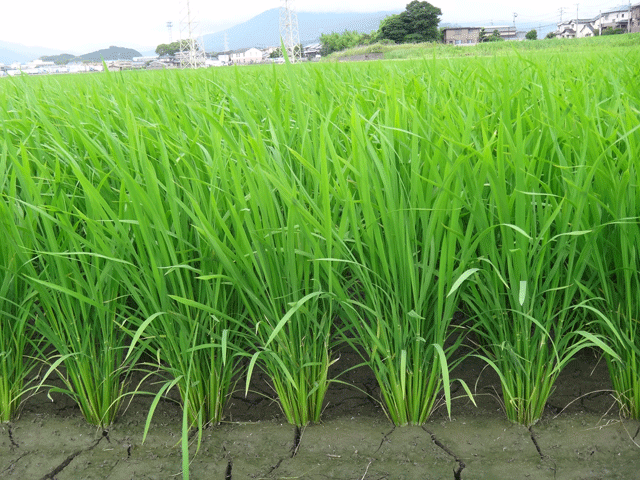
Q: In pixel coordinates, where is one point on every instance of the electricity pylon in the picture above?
(192, 53)
(289, 31)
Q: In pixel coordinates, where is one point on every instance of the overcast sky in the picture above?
(79, 26)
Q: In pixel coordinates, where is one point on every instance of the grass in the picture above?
(208, 224)
(440, 50)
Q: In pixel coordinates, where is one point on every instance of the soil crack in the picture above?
(457, 471)
(13, 464)
(275, 467)
(52, 474)
(297, 436)
(227, 475)
(13, 442)
(384, 439)
(542, 455)
(535, 442)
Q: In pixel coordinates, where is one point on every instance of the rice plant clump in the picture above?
(208, 224)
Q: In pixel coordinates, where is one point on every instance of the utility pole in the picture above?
(600, 23)
(577, 16)
(629, 19)
(514, 22)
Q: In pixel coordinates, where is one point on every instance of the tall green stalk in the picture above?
(407, 235)
(19, 344)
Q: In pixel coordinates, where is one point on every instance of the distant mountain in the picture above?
(111, 53)
(61, 59)
(263, 30)
(15, 52)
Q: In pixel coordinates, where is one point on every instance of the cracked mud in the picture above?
(585, 440)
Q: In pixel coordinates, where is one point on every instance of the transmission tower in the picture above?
(289, 30)
(192, 53)
(169, 27)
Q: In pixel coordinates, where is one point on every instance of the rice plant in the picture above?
(615, 263)
(407, 233)
(19, 344)
(202, 222)
(79, 299)
(529, 210)
(272, 248)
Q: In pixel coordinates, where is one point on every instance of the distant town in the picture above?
(619, 20)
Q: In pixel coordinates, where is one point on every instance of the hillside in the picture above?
(111, 53)
(15, 52)
(262, 30)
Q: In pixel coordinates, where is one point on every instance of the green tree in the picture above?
(494, 37)
(532, 35)
(482, 37)
(418, 23)
(393, 28)
(168, 49)
(277, 53)
(613, 31)
(422, 19)
(334, 42)
(550, 35)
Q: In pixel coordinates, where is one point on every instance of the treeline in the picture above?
(418, 23)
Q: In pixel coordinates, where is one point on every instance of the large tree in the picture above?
(418, 23)
(393, 28)
(168, 49)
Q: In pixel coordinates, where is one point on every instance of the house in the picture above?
(575, 29)
(312, 52)
(635, 19)
(245, 56)
(471, 35)
(157, 65)
(617, 18)
(626, 19)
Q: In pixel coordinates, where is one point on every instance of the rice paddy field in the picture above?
(398, 231)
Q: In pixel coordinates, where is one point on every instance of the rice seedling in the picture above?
(528, 206)
(78, 291)
(270, 246)
(614, 259)
(18, 344)
(187, 310)
(404, 210)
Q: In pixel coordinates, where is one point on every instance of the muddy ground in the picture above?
(581, 436)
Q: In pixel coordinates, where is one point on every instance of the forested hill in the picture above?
(111, 53)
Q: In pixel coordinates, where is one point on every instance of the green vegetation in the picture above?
(61, 59)
(418, 23)
(560, 46)
(494, 37)
(532, 35)
(205, 224)
(335, 42)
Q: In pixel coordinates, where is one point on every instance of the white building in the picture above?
(245, 56)
(624, 18)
